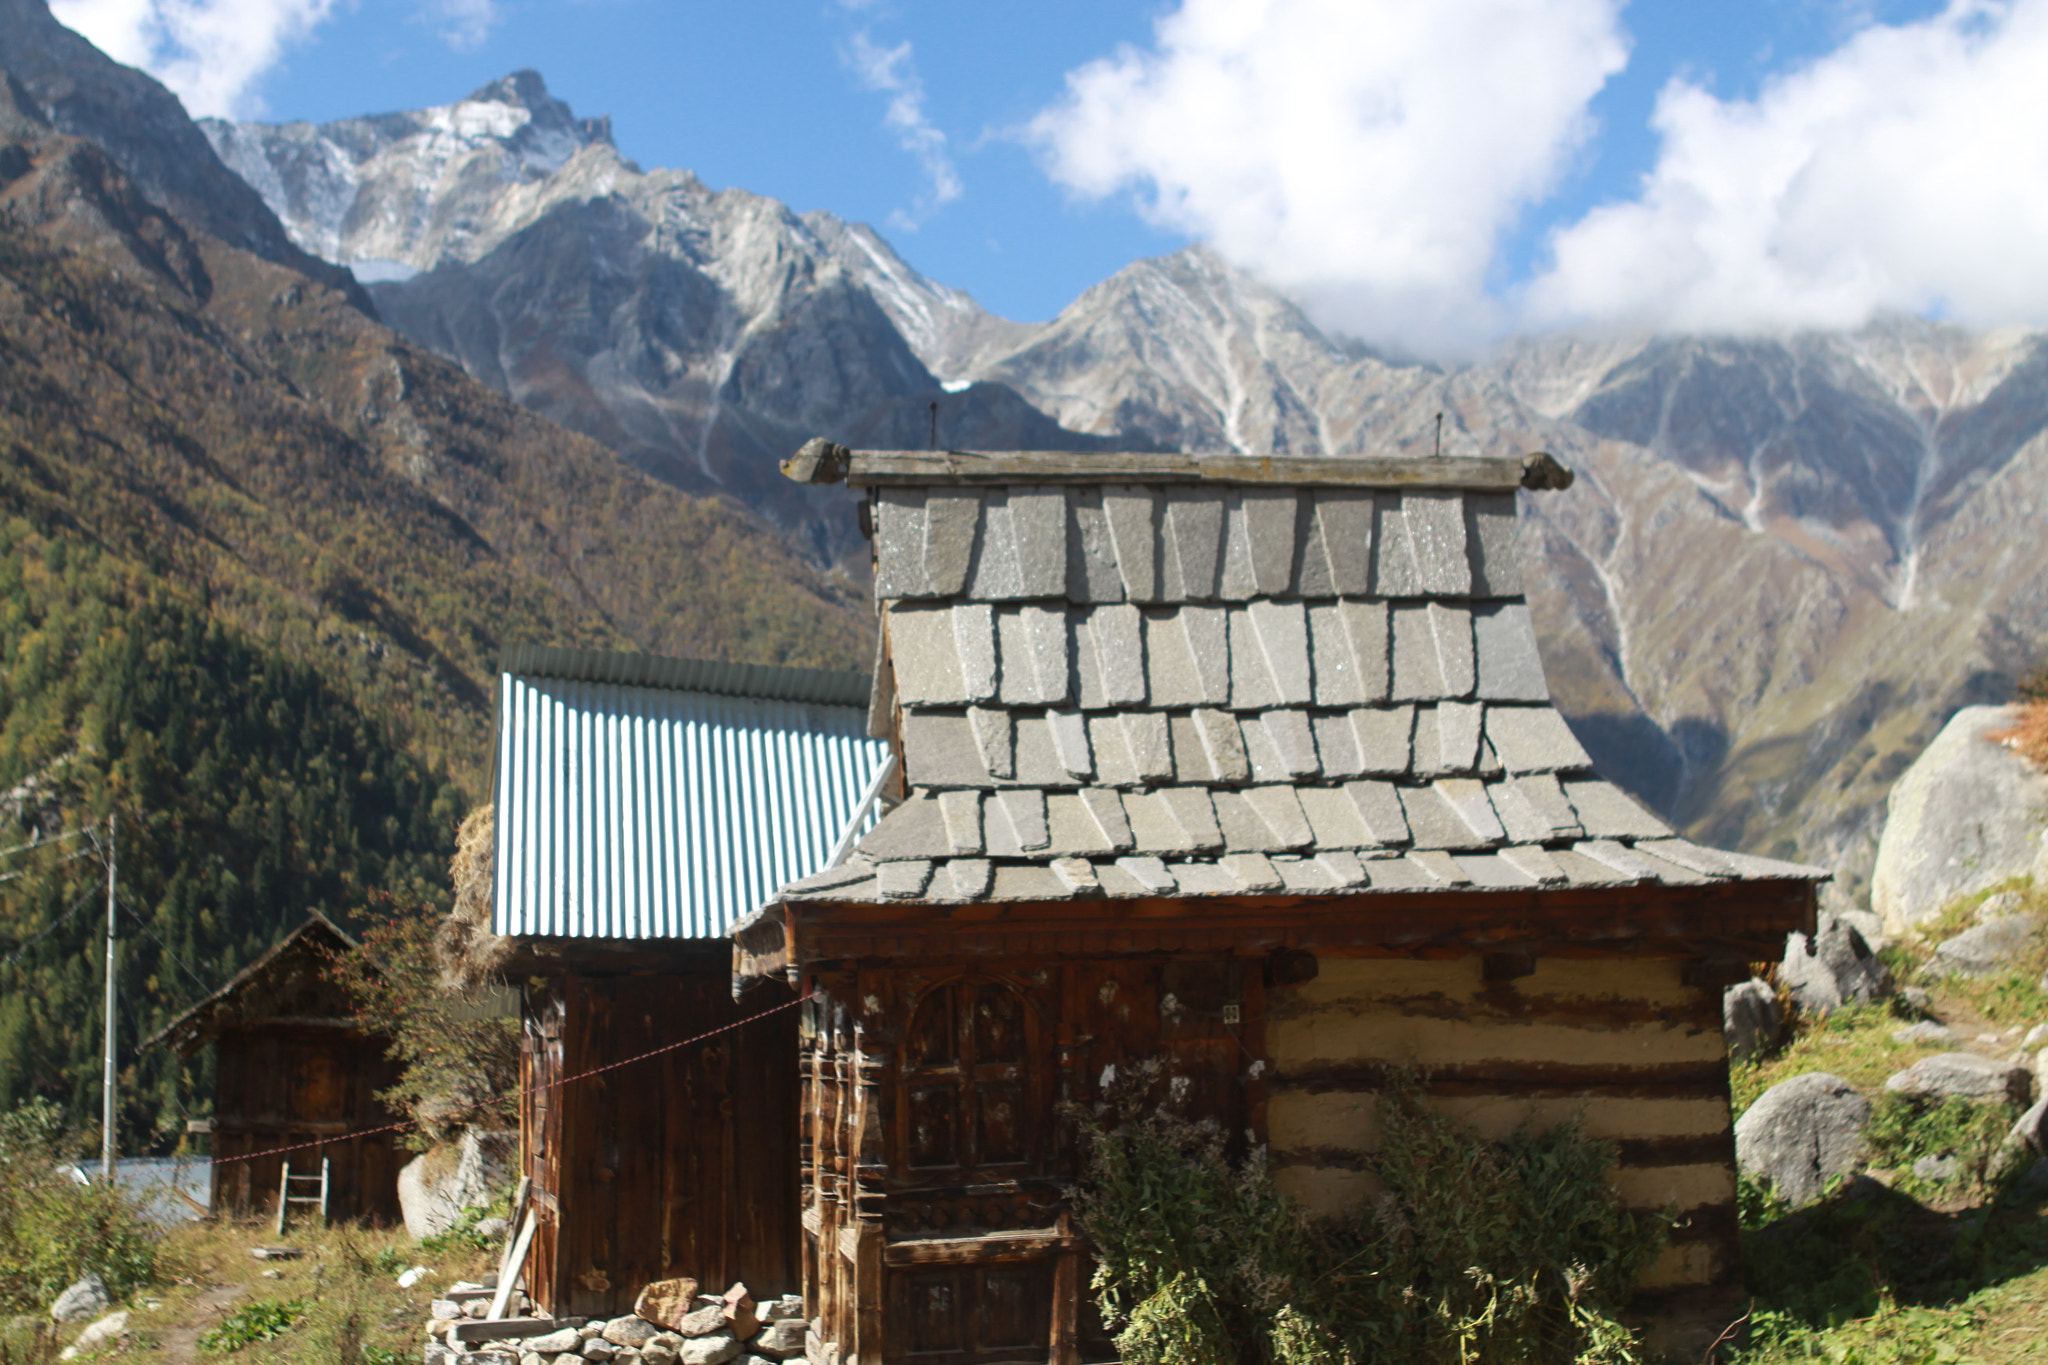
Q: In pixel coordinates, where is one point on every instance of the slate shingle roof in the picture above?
(1191, 689)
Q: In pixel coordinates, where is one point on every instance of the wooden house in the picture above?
(642, 805)
(291, 1067)
(1247, 765)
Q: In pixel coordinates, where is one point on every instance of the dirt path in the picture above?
(180, 1342)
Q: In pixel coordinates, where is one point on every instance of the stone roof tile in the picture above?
(1385, 740)
(1078, 876)
(1132, 514)
(1244, 830)
(1508, 666)
(1433, 822)
(1420, 545)
(1492, 544)
(1109, 654)
(1024, 815)
(1344, 867)
(1259, 528)
(1153, 826)
(1294, 741)
(1191, 542)
(1074, 829)
(1380, 807)
(1281, 811)
(995, 739)
(1195, 810)
(1335, 559)
(1151, 874)
(1467, 796)
(1348, 646)
(1253, 872)
(971, 877)
(1534, 863)
(1033, 644)
(1534, 739)
(1091, 555)
(960, 811)
(1069, 731)
(904, 880)
(1187, 656)
(1607, 812)
(1106, 808)
(1335, 819)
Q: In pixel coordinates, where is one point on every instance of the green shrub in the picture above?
(1476, 1252)
(54, 1230)
(255, 1322)
(1905, 1128)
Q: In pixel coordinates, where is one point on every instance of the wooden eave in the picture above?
(887, 468)
(1724, 926)
(199, 1024)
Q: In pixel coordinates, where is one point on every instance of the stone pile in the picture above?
(672, 1324)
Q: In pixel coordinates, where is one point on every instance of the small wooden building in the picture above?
(291, 1067)
(1249, 766)
(642, 805)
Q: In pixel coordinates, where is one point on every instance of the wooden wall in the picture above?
(1622, 1041)
(682, 1164)
(277, 1086)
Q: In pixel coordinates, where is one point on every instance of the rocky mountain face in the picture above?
(75, 88)
(701, 334)
(1785, 562)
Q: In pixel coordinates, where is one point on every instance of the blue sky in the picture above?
(1517, 164)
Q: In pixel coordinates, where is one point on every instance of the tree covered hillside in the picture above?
(258, 558)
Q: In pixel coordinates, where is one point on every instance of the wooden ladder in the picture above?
(288, 1181)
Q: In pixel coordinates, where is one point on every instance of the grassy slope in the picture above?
(1959, 1275)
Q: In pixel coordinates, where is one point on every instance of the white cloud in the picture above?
(1366, 155)
(465, 23)
(889, 71)
(1908, 170)
(210, 53)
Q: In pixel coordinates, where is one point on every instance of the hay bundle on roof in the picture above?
(468, 954)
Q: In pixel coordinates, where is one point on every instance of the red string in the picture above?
(517, 1094)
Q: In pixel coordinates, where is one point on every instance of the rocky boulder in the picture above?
(1831, 968)
(1965, 816)
(1964, 1074)
(1752, 1019)
(1991, 947)
(439, 1185)
(83, 1299)
(667, 1302)
(1801, 1133)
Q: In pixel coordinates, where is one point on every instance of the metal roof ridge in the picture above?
(759, 682)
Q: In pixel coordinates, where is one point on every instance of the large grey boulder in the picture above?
(1991, 947)
(1752, 1019)
(1832, 968)
(439, 1185)
(1801, 1133)
(1965, 1074)
(85, 1298)
(1965, 816)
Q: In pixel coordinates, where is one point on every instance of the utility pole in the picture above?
(107, 1075)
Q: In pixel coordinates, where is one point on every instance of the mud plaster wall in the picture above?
(1622, 1043)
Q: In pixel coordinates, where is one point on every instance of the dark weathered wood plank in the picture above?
(879, 468)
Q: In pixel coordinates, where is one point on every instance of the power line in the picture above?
(142, 924)
(53, 839)
(52, 927)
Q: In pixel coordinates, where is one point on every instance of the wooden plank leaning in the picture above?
(508, 1274)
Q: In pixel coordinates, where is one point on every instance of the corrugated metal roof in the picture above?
(633, 811)
(766, 682)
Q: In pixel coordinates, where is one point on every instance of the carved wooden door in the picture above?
(973, 1224)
